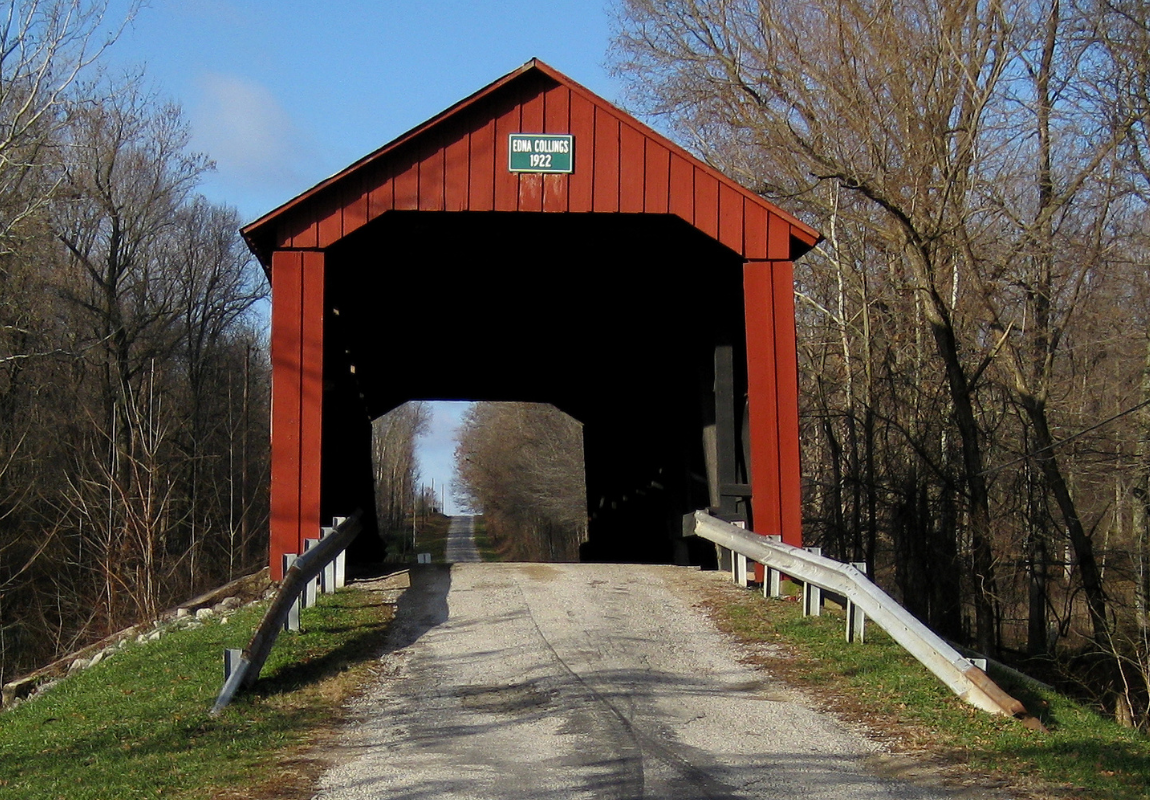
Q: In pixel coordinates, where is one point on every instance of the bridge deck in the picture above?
(584, 680)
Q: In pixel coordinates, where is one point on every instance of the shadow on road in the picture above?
(421, 607)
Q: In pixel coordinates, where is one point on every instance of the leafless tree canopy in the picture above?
(974, 329)
(521, 466)
(397, 490)
(133, 374)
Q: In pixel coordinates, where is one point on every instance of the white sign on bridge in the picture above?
(541, 152)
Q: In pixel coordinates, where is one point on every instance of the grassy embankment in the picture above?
(137, 724)
(1081, 756)
(432, 536)
(486, 546)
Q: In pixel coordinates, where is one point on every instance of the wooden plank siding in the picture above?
(297, 397)
(458, 162)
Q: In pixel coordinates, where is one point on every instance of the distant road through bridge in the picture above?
(533, 681)
(461, 541)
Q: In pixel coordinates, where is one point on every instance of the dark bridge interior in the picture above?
(613, 318)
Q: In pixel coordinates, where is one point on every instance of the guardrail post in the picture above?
(341, 570)
(772, 579)
(291, 621)
(341, 559)
(812, 594)
(812, 600)
(231, 661)
(741, 570)
(856, 617)
(312, 587)
(327, 576)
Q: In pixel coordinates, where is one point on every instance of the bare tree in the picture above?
(46, 47)
(985, 160)
(521, 465)
(394, 439)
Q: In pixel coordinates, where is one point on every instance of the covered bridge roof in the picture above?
(458, 161)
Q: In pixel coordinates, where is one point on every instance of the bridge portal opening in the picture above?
(613, 319)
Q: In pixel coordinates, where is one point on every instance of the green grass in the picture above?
(432, 537)
(1082, 752)
(483, 543)
(137, 724)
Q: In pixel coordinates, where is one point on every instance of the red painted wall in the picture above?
(297, 401)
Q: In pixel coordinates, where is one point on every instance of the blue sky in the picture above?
(281, 93)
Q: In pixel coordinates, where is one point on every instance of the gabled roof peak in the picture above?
(458, 161)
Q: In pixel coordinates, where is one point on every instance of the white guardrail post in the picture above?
(959, 674)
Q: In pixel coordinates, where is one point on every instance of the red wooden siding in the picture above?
(656, 177)
(772, 383)
(619, 167)
(297, 397)
(557, 117)
(632, 163)
(787, 406)
(458, 162)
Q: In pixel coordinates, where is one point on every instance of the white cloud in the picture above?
(251, 137)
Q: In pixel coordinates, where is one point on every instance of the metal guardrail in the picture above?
(959, 674)
(298, 578)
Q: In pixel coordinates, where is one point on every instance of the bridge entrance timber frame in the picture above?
(701, 369)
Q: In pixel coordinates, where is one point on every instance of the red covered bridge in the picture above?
(600, 268)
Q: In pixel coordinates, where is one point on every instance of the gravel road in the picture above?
(461, 541)
(585, 681)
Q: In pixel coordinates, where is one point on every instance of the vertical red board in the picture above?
(682, 196)
(311, 395)
(406, 186)
(456, 173)
(555, 193)
(606, 162)
(482, 168)
(531, 184)
(287, 304)
(305, 232)
(330, 223)
(283, 235)
(531, 114)
(530, 191)
(579, 185)
(787, 402)
(759, 307)
(506, 181)
(354, 205)
(731, 217)
(431, 168)
(381, 193)
(778, 239)
(754, 231)
(632, 165)
(656, 178)
(707, 203)
(556, 119)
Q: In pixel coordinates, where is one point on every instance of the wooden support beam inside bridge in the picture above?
(600, 268)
